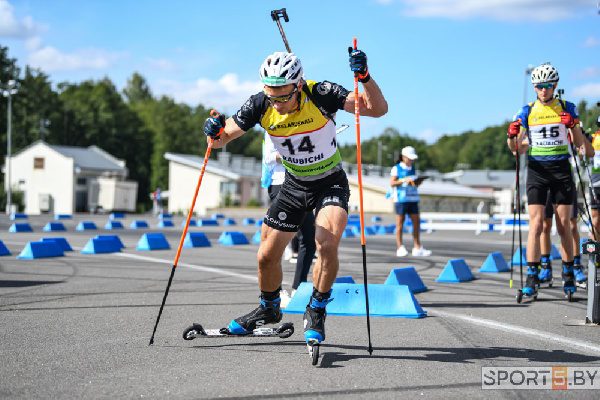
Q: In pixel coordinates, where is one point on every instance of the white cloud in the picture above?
(33, 43)
(226, 94)
(429, 135)
(50, 59)
(162, 64)
(11, 27)
(506, 10)
(586, 91)
(591, 42)
(590, 72)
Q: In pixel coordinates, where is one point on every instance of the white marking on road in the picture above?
(533, 333)
(202, 268)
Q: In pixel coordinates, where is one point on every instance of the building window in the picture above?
(38, 163)
(81, 181)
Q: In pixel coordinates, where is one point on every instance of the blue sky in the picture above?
(445, 66)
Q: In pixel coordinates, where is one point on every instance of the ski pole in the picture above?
(517, 204)
(215, 115)
(519, 213)
(276, 14)
(360, 194)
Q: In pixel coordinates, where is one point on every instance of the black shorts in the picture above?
(544, 176)
(593, 203)
(296, 198)
(549, 209)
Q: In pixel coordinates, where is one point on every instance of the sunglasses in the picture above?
(544, 86)
(281, 99)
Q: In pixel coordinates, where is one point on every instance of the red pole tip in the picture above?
(354, 42)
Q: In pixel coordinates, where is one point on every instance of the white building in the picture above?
(68, 179)
(228, 180)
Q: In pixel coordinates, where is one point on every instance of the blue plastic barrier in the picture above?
(58, 217)
(456, 271)
(522, 253)
(192, 222)
(207, 222)
(138, 224)
(112, 237)
(101, 245)
(113, 225)
(54, 226)
(153, 241)
(40, 250)
(232, 238)
(164, 223)
(18, 216)
(196, 239)
(20, 227)
(406, 276)
(344, 279)
(4, 250)
(248, 221)
(349, 299)
(494, 263)
(60, 241)
(256, 237)
(86, 226)
(116, 215)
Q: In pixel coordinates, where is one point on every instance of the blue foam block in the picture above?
(116, 215)
(62, 216)
(196, 239)
(344, 279)
(20, 227)
(113, 225)
(368, 230)
(376, 219)
(60, 241)
(138, 224)
(256, 237)
(386, 229)
(258, 223)
(248, 221)
(522, 253)
(349, 299)
(494, 263)
(86, 226)
(208, 222)
(229, 222)
(40, 250)
(192, 222)
(101, 245)
(153, 241)
(217, 216)
(112, 237)
(3, 250)
(54, 226)
(232, 238)
(165, 216)
(348, 233)
(18, 216)
(406, 276)
(164, 223)
(554, 253)
(456, 271)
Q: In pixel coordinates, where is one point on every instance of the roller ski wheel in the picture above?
(569, 295)
(582, 285)
(197, 331)
(313, 350)
(525, 296)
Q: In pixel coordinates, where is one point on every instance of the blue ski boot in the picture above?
(314, 317)
(532, 284)
(568, 280)
(545, 275)
(580, 278)
(268, 312)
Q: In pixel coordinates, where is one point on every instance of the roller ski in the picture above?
(532, 285)
(314, 323)
(197, 331)
(568, 281)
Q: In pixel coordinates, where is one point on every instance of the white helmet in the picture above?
(545, 73)
(280, 69)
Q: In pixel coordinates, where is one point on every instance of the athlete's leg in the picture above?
(545, 237)
(536, 226)
(400, 216)
(563, 214)
(596, 223)
(416, 224)
(272, 245)
(330, 224)
(306, 249)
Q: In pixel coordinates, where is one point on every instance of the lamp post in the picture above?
(7, 91)
(528, 72)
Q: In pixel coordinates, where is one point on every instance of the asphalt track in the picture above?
(78, 326)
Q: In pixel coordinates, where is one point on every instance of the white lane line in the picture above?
(191, 266)
(533, 333)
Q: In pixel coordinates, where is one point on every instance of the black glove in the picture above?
(213, 127)
(358, 64)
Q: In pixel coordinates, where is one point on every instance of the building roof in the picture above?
(482, 178)
(229, 167)
(86, 158)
